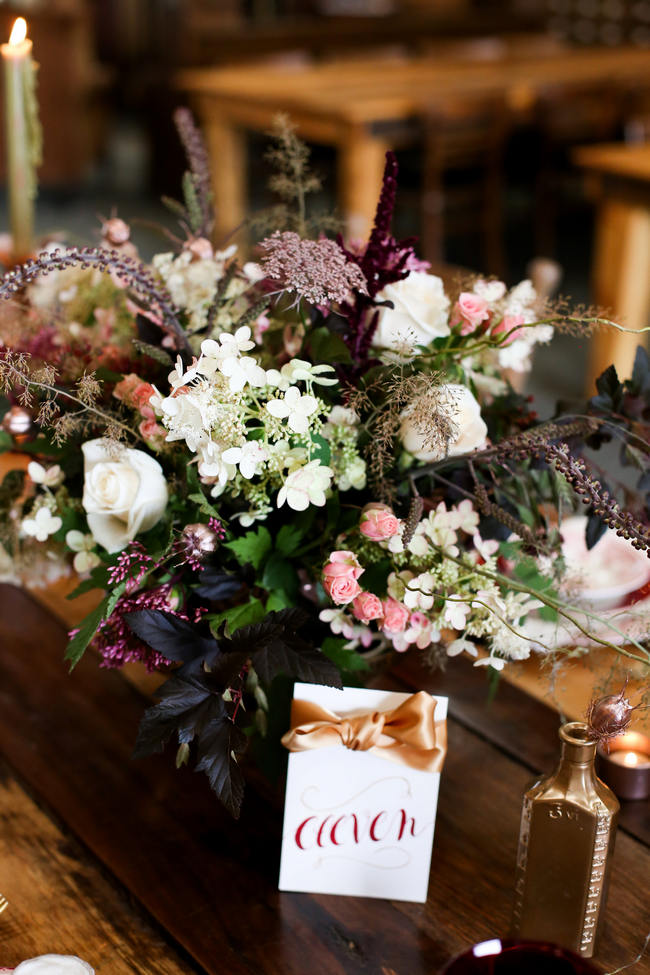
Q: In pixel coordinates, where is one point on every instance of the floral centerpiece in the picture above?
(286, 467)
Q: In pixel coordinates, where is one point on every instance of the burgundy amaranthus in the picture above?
(118, 645)
(317, 270)
(384, 261)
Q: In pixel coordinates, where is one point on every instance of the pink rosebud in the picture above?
(141, 396)
(509, 325)
(378, 522)
(367, 606)
(470, 310)
(152, 431)
(396, 615)
(340, 577)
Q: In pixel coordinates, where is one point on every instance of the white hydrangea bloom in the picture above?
(298, 370)
(84, 545)
(306, 486)
(354, 475)
(48, 477)
(248, 457)
(296, 408)
(419, 592)
(42, 525)
(242, 370)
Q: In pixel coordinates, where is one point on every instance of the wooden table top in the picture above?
(374, 89)
(616, 159)
(133, 866)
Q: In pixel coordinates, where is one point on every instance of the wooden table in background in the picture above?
(133, 866)
(361, 107)
(619, 178)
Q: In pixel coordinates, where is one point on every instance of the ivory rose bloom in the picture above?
(396, 616)
(469, 434)
(378, 522)
(470, 310)
(367, 607)
(124, 494)
(419, 313)
(340, 577)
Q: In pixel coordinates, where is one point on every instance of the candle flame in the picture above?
(18, 32)
(632, 759)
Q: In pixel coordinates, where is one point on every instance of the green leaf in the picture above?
(6, 442)
(203, 504)
(277, 601)
(252, 548)
(375, 578)
(77, 646)
(287, 539)
(344, 658)
(328, 347)
(98, 580)
(237, 616)
(321, 450)
(153, 351)
(279, 573)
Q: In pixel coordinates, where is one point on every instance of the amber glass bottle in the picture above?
(566, 840)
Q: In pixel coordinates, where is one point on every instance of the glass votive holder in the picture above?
(512, 957)
(624, 765)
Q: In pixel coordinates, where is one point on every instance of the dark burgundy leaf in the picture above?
(218, 743)
(175, 638)
(215, 584)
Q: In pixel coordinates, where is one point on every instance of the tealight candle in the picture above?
(625, 765)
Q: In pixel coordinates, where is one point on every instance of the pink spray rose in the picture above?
(340, 577)
(367, 606)
(510, 324)
(396, 615)
(378, 522)
(470, 310)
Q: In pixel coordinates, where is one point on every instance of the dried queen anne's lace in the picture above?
(317, 270)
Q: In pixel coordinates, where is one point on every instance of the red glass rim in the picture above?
(510, 956)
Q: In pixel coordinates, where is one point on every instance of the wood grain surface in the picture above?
(60, 902)
(211, 884)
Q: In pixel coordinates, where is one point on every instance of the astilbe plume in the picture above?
(132, 272)
(115, 641)
(383, 261)
(316, 270)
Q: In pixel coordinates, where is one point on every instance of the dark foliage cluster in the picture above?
(200, 703)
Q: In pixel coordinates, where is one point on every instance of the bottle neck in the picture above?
(576, 770)
(578, 748)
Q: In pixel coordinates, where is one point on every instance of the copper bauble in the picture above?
(199, 540)
(609, 716)
(18, 422)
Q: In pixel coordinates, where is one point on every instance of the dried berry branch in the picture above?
(133, 273)
(592, 493)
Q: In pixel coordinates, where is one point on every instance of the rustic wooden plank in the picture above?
(61, 902)
(211, 883)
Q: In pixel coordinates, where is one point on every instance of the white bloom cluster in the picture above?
(255, 432)
(192, 278)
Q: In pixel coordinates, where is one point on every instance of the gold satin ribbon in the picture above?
(409, 734)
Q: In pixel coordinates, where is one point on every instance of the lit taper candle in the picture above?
(23, 137)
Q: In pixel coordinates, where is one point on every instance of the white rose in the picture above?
(465, 414)
(420, 313)
(54, 965)
(123, 495)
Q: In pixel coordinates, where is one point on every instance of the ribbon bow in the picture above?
(409, 734)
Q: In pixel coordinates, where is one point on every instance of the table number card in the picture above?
(362, 791)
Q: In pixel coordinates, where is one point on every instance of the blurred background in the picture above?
(520, 127)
